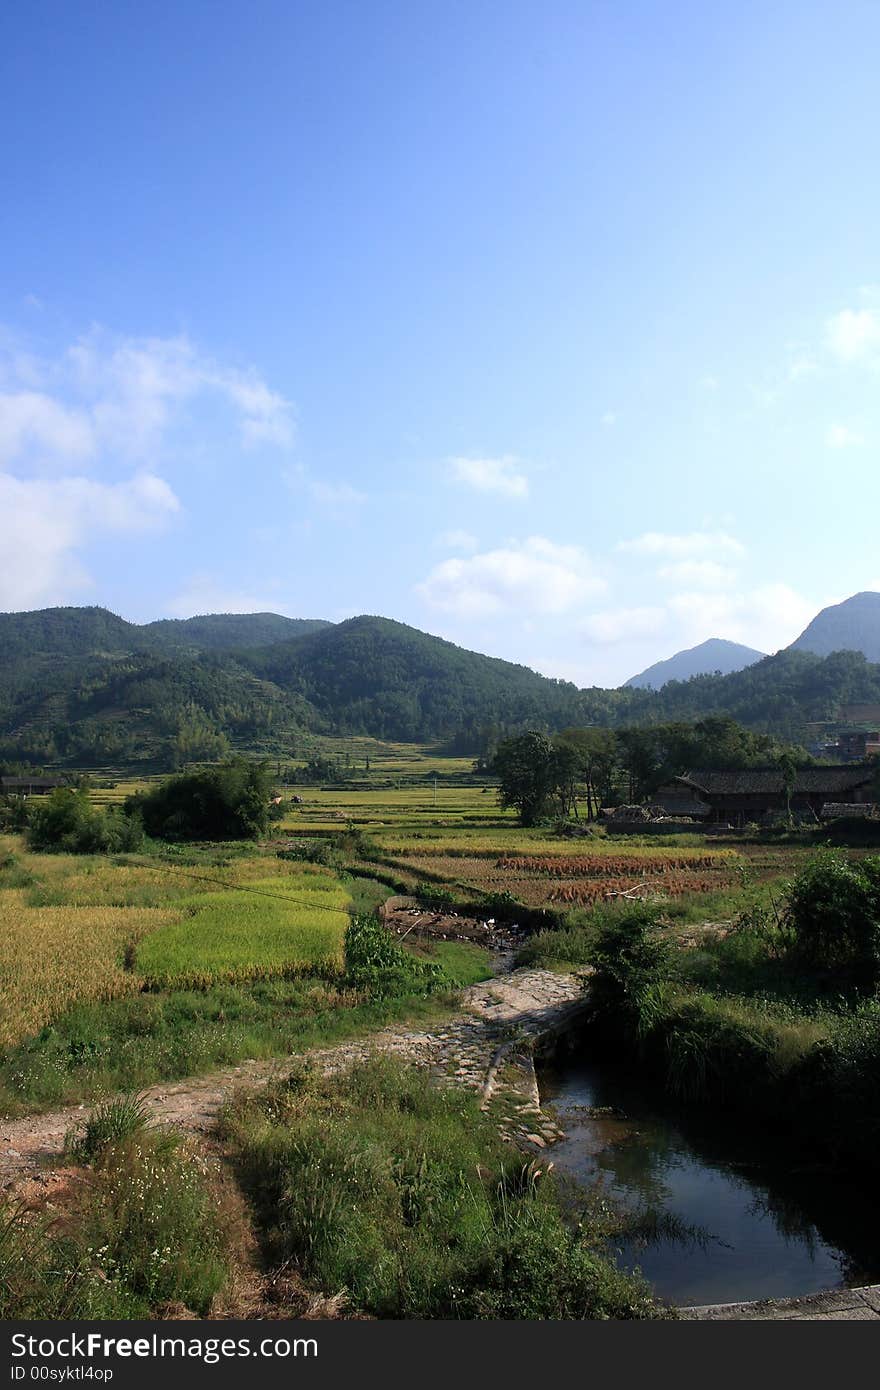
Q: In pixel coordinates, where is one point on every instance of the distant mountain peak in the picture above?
(850, 626)
(715, 654)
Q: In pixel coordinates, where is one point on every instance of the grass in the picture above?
(282, 927)
(741, 1022)
(461, 961)
(402, 1194)
(143, 1228)
(127, 1044)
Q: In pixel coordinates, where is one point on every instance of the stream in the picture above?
(727, 1214)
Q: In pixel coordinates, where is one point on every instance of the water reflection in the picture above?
(716, 1213)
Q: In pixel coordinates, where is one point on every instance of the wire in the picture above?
(245, 888)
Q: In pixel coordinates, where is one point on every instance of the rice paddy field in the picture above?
(77, 929)
(89, 929)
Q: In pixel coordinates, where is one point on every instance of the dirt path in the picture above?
(469, 1048)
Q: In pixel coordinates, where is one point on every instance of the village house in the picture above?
(853, 744)
(29, 786)
(715, 795)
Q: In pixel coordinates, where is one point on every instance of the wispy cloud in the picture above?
(693, 545)
(336, 494)
(47, 521)
(853, 334)
(503, 476)
(108, 394)
(457, 540)
(206, 593)
(532, 576)
(618, 625)
(842, 437)
(705, 574)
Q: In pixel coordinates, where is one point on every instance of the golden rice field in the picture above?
(88, 928)
(53, 957)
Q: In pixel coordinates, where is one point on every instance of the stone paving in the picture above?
(837, 1305)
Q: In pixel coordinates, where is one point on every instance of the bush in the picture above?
(434, 895)
(375, 963)
(228, 802)
(67, 822)
(833, 908)
(630, 958)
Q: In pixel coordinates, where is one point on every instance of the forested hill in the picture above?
(80, 685)
(373, 675)
(80, 632)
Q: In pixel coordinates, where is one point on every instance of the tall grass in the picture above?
(144, 1227)
(401, 1195)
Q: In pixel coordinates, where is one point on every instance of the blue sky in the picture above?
(553, 328)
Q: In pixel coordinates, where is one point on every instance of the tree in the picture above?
(833, 907)
(67, 821)
(596, 751)
(526, 770)
(229, 802)
(788, 767)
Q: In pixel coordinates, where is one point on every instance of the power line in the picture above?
(245, 888)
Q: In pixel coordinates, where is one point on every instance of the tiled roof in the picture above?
(761, 781)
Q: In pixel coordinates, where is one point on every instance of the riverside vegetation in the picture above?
(162, 962)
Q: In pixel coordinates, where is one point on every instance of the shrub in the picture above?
(228, 802)
(434, 895)
(374, 962)
(833, 908)
(67, 822)
(310, 852)
(630, 958)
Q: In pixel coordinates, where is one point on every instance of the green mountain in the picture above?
(373, 675)
(851, 626)
(81, 686)
(716, 656)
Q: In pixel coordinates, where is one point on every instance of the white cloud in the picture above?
(842, 437)
(691, 546)
(767, 617)
(205, 593)
(503, 476)
(30, 419)
(532, 576)
(853, 333)
(706, 574)
(336, 494)
(457, 540)
(802, 366)
(622, 625)
(119, 396)
(45, 522)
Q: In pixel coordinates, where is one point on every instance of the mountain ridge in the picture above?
(84, 687)
(715, 655)
(852, 625)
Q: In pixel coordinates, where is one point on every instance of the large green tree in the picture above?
(527, 774)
